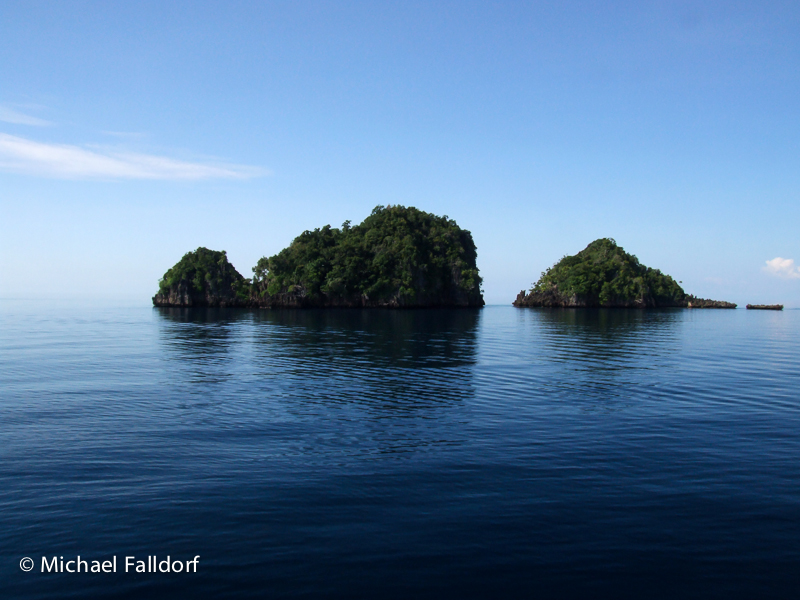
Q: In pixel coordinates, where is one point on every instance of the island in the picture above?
(604, 275)
(398, 257)
(203, 278)
(764, 307)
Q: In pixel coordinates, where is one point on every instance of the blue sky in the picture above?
(131, 133)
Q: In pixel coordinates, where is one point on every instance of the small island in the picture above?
(604, 275)
(764, 307)
(398, 257)
(202, 278)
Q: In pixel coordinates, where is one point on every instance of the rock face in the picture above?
(203, 278)
(604, 275)
(397, 257)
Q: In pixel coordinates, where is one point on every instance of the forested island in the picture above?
(398, 257)
(604, 275)
(203, 278)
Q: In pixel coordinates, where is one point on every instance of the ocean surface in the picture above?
(495, 453)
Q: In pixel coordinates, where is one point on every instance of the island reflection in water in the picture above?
(361, 368)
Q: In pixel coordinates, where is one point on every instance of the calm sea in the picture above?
(496, 453)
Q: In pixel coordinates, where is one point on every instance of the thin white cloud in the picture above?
(66, 161)
(782, 267)
(9, 115)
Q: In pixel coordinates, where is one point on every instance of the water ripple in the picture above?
(405, 453)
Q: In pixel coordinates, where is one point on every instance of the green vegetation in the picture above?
(203, 277)
(397, 256)
(603, 274)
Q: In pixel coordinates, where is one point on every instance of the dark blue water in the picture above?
(504, 452)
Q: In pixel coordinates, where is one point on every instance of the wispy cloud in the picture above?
(783, 267)
(66, 161)
(9, 115)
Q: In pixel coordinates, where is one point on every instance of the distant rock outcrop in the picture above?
(693, 302)
(203, 278)
(604, 275)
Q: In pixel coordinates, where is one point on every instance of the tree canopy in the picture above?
(603, 274)
(203, 277)
(398, 256)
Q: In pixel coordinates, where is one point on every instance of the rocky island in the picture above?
(203, 278)
(398, 257)
(604, 275)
